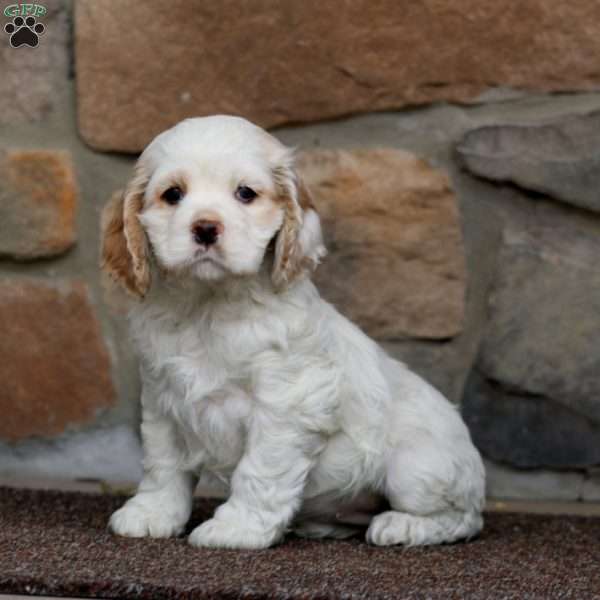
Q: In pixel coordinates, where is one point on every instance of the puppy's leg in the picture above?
(337, 515)
(435, 498)
(163, 502)
(266, 487)
(316, 530)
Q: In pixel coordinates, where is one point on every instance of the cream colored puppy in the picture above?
(248, 374)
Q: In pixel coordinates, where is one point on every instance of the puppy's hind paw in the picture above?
(217, 533)
(133, 520)
(392, 527)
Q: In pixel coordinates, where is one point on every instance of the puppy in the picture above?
(248, 374)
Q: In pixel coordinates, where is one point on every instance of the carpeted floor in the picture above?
(56, 543)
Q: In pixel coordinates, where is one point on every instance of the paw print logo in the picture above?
(24, 32)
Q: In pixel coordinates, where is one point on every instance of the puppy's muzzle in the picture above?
(206, 233)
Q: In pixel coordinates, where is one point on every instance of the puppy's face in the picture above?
(212, 204)
(210, 195)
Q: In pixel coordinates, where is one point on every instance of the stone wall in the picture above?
(457, 187)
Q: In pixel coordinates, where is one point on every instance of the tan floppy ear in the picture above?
(299, 244)
(125, 254)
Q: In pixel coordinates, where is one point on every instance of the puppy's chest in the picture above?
(196, 356)
(215, 428)
(201, 379)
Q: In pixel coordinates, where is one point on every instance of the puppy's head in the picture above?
(212, 198)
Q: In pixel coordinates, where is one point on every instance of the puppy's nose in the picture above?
(206, 232)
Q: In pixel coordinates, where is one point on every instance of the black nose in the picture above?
(206, 233)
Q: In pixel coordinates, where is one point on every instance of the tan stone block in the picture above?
(54, 366)
(38, 200)
(396, 261)
(32, 80)
(278, 62)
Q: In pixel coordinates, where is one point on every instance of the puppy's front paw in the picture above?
(137, 520)
(217, 533)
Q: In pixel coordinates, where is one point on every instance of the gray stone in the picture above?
(32, 78)
(527, 431)
(591, 486)
(560, 158)
(537, 399)
(110, 453)
(512, 484)
(544, 308)
(445, 365)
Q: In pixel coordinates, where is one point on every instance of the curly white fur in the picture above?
(255, 378)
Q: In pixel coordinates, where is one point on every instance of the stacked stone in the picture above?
(533, 398)
(462, 224)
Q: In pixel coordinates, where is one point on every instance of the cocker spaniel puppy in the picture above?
(248, 374)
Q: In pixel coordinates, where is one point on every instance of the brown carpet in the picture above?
(56, 543)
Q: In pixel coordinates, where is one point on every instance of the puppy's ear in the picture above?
(299, 243)
(125, 253)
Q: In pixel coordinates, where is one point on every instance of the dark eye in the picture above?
(172, 196)
(245, 194)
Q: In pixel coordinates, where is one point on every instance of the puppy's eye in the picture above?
(245, 194)
(172, 195)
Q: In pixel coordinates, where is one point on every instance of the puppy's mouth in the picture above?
(207, 264)
(206, 255)
(205, 258)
